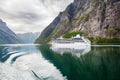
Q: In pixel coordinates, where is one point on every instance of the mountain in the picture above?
(29, 37)
(7, 36)
(96, 18)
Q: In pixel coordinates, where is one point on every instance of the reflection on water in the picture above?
(101, 63)
(74, 51)
(41, 62)
(25, 62)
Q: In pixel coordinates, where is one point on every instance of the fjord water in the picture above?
(41, 62)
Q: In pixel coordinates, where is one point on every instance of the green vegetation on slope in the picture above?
(111, 32)
(100, 40)
(72, 34)
(83, 18)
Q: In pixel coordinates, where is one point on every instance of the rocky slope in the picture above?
(94, 17)
(29, 37)
(6, 35)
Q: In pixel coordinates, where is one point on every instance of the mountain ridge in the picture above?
(97, 18)
(28, 37)
(7, 36)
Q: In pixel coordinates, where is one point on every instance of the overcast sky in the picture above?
(30, 15)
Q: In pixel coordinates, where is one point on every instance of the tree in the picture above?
(111, 32)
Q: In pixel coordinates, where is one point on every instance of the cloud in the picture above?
(30, 15)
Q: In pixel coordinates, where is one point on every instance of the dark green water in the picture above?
(41, 62)
(101, 63)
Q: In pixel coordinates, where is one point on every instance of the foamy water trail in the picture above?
(25, 62)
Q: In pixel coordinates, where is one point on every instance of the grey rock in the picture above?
(91, 16)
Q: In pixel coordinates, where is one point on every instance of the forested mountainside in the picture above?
(7, 36)
(95, 18)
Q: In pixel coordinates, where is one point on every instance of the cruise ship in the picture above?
(74, 42)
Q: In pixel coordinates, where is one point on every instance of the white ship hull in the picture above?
(70, 45)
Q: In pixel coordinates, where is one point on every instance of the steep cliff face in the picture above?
(94, 17)
(7, 36)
